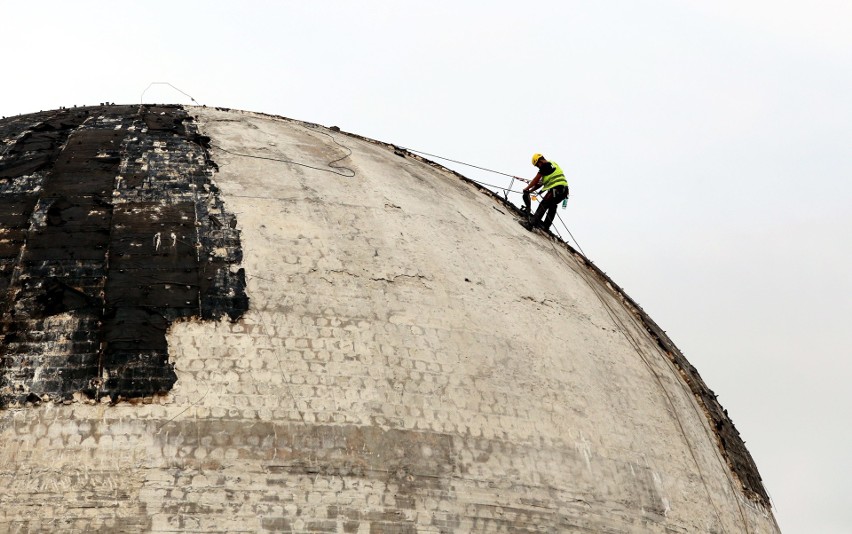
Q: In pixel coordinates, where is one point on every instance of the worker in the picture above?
(553, 184)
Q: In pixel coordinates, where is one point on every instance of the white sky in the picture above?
(708, 146)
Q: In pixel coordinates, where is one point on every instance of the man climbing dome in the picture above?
(552, 181)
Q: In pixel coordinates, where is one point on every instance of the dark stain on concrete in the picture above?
(410, 464)
(110, 230)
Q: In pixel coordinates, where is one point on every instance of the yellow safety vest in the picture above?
(557, 177)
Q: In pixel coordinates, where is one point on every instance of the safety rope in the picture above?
(572, 237)
(316, 127)
(505, 189)
(494, 186)
(290, 162)
(335, 169)
(456, 161)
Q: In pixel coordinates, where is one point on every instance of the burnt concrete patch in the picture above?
(110, 230)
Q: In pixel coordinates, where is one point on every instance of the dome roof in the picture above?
(217, 320)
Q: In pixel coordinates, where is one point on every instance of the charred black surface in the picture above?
(110, 230)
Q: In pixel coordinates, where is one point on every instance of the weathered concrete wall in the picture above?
(393, 373)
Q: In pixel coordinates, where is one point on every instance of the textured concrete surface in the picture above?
(412, 360)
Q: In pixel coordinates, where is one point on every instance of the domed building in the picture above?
(223, 321)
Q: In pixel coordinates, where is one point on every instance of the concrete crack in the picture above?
(543, 302)
(395, 277)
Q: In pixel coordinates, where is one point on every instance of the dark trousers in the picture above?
(549, 204)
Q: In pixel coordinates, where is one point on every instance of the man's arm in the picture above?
(534, 184)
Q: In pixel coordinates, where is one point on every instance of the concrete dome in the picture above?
(207, 327)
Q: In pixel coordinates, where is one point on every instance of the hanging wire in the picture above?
(170, 85)
(334, 169)
(459, 162)
(572, 236)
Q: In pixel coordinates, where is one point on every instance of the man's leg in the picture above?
(544, 207)
(560, 193)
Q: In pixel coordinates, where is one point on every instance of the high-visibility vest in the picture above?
(557, 177)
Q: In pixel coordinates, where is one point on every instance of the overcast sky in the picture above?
(708, 146)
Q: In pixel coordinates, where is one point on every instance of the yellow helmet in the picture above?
(536, 157)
